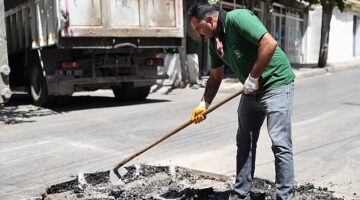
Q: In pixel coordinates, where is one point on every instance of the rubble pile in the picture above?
(166, 182)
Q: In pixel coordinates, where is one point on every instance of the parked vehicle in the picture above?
(58, 47)
(5, 92)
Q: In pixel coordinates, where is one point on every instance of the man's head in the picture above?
(204, 19)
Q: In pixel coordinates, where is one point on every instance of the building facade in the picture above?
(298, 32)
(344, 35)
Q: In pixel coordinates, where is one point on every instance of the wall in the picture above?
(341, 36)
(5, 92)
(313, 35)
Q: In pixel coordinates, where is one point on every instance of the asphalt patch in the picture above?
(168, 182)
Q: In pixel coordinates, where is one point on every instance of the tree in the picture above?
(328, 6)
(182, 50)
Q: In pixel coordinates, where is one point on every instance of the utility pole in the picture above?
(182, 50)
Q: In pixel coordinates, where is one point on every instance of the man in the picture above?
(239, 40)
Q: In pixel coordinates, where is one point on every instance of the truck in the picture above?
(5, 92)
(58, 47)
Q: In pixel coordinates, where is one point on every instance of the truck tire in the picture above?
(142, 92)
(129, 93)
(38, 87)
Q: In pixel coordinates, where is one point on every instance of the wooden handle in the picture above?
(164, 137)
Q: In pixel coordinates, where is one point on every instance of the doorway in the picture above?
(278, 25)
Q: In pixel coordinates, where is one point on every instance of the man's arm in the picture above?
(267, 46)
(213, 84)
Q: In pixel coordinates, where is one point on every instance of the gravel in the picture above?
(167, 182)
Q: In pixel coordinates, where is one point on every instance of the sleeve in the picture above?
(215, 60)
(249, 26)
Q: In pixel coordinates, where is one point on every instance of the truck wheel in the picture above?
(129, 93)
(38, 87)
(142, 92)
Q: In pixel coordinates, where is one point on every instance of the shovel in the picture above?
(116, 173)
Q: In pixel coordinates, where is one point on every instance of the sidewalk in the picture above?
(308, 70)
(303, 71)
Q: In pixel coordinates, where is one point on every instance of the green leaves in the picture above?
(341, 4)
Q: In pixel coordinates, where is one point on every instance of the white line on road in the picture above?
(93, 147)
(27, 146)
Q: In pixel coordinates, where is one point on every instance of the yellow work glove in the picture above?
(196, 113)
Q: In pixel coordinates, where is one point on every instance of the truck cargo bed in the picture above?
(41, 23)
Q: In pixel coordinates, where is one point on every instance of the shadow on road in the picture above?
(92, 102)
(304, 66)
(351, 104)
(20, 108)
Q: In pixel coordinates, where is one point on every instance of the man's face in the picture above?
(204, 28)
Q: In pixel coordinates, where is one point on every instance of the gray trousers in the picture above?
(276, 105)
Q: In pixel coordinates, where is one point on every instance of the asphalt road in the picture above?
(41, 147)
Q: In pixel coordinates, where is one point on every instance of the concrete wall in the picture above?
(3, 42)
(313, 36)
(341, 42)
(5, 92)
(172, 68)
(341, 36)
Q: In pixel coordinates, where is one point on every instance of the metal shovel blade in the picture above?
(116, 175)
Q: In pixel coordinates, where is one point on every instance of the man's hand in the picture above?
(251, 84)
(196, 113)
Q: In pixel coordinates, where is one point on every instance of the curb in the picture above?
(321, 71)
(342, 68)
(230, 84)
(310, 73)
(233, 83)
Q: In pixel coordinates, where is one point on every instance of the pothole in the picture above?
(166, 182)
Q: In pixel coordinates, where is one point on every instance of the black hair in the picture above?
(202, 10)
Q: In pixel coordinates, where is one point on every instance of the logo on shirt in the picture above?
(237, 53)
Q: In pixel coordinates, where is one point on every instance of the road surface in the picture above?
(40, 147)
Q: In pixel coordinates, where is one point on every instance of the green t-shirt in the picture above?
(243, 31)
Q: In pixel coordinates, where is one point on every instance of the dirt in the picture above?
(10, 115)
(167, 182)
